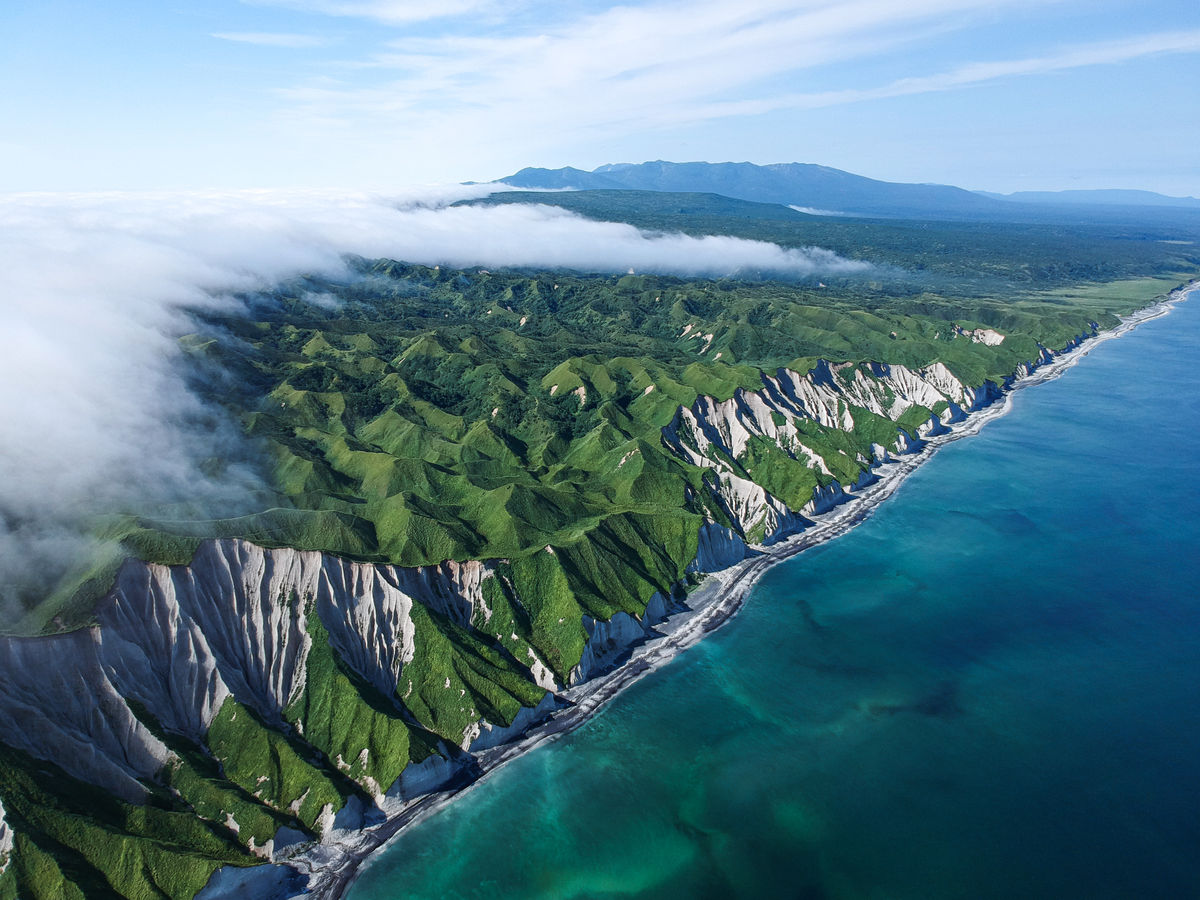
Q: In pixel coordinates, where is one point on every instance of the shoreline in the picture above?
(333, 867)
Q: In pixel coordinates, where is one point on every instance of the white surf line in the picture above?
(334, 866)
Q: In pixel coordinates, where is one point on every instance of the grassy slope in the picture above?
(514, 416)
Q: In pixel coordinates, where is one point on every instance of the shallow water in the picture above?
(989, 689)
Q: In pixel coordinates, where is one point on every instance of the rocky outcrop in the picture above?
(180, 639)
(750, 507)
(58, 704)
(422, 778)
(716, 435)
(177, 642)
(484, 735)
(367, 610)
(717, 548)
(260, 882)
(157, 655)
(606, 642)
(369, 620)
(6, 840)
(986, 336)
(609, 641)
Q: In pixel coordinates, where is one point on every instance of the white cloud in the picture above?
(271, 39)
(96, 411)
(533, 92)
(390, 12)
(813, 211)
(534, 235)
(1071, 57)
(630, 63)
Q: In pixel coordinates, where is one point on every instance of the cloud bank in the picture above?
(98, 288)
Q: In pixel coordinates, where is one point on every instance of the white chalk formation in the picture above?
(711, 433)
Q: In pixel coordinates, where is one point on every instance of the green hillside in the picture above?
(444, 414)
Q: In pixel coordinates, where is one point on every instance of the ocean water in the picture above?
(990, 689)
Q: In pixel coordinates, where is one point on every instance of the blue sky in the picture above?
(1000, 95)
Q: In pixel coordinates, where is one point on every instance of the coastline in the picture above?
(334, 866)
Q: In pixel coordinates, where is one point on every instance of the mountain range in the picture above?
(824, 190)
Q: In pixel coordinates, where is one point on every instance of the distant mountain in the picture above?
(798, 184)
(821, 190)
(1096, 198)
(566, 177)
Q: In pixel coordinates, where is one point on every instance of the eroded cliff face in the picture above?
(6, 841)
(181, 639)
(220, 653)
(175, 645)
(58, 704)
(610, 640)
(718, 435)
(717, 548)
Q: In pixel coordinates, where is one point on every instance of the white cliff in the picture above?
(238, 605)
(6, 841)
(367, 610)
(484, 735)
(156, 654)
(369, 620)
(607, 641)
(421, 778)
(715, 434)
(717, 548)
(59, 705)
(180, 640)
(986, 336)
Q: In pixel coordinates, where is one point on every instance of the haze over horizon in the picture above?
(1001, 96)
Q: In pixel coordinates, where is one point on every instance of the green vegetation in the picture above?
(458, 675)
(264, 764)
(350, 722)
(211, 805)
(442, 414)
(74, 839)
(424, 420)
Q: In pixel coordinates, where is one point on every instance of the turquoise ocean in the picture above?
(990, 689)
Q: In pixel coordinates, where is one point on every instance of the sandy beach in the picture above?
(333, 865)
